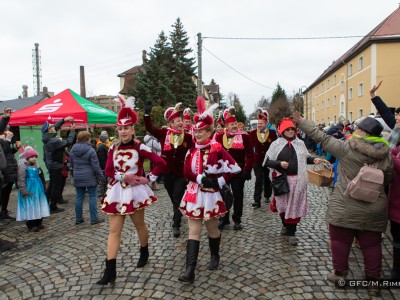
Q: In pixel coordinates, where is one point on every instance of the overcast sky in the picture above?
(107, 37)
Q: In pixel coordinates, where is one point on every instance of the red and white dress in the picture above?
(213, 161)
(121, 198)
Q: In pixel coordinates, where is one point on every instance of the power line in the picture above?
(237, 70)
(284, 38)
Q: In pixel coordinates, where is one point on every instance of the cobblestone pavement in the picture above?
(65, 260)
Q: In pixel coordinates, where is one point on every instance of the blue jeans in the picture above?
(80, 196)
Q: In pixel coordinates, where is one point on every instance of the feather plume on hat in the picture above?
(204, 116)
(229, 115)
(127, 115)
(173, 112)
(262, 114)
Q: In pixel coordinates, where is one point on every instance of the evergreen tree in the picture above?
(155, 84)
(234, 101)
(280, 107)
(183, 87)
(278, 94)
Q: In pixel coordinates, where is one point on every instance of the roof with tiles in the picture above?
(387, 31)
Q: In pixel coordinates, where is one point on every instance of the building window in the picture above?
(341, 107)
(317, 106)
(335, 120)
(360, 113)
(360, 89)
(322, 105)
(328, 85)
(328, 103)
(361, 63)
(334, 79)
(342, 86)
(112, 108)
(103, 101)
(334, 100)
(351, 117)
(350, 69)
(350, 93)
(329, 120)
(322, 88)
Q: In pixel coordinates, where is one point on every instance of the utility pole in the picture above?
(37, 76)
(199, 67)
(82, 81)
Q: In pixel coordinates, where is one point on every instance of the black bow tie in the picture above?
(262, 131)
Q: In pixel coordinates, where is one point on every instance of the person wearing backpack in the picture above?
(348, 217)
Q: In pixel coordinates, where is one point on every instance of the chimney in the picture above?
(144, 56)
(24, 91)
(83, 87)
(45, 90)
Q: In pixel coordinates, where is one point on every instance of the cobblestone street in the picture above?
(65, 260)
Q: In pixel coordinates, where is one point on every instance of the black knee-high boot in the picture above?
(192, 252)
(110, 273)
(214, 249)
(144, 256)
(396, 262)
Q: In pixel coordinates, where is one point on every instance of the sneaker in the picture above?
(237, 226)
(256, 204)
(56, 210)
(336, 275)
(97, 221)
(62, 201)
(77, 222)
(6, 245)
(34, 229)
(292, 241)
(5, 216)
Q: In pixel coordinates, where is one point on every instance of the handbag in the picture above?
(227, 196)
(280, 185)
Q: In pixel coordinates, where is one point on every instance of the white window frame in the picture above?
(361, 63)
(361, 89)
(350, 93)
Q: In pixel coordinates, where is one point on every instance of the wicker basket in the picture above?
(322, 177)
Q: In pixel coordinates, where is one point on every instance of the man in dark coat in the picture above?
(175, 143)
(4, 245)
(261, 139)
(54, 158)
(239, 146)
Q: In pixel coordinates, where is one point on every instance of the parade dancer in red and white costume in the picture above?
(208, 167)
(128, 192)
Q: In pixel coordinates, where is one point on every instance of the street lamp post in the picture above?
(302, 94)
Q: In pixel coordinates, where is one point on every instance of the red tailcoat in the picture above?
(260, 148)
(244, 157)
(175, 158)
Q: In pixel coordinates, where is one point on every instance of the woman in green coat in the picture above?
(349, 218)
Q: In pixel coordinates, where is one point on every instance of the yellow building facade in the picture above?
(342, 91)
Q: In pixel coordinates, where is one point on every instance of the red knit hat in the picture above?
(285, 124)
(126, 116)
(229, 115)
(203, 118)
(173, 112)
